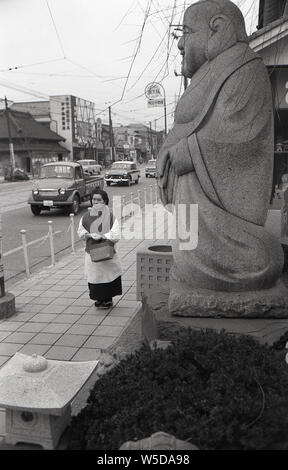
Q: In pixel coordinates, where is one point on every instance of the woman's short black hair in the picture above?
(102, 193)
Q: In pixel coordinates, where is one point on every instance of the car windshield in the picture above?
(152, 162)
(121, 166)
(56, 171)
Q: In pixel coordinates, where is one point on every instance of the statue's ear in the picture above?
(222, 35)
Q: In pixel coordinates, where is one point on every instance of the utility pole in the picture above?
(165, 111)
(11, 147)
(156, 149)
(151, 140)
(111, 136)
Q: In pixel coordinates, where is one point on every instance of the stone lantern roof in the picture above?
(33, 383)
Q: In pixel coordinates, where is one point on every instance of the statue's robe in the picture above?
(221, 149)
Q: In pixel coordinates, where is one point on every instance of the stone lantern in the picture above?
(37, 395)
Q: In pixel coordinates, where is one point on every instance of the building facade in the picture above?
(74, 119)
(137, 142)
(32, 143)
(271, 42)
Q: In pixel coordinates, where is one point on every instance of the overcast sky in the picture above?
(88, 48)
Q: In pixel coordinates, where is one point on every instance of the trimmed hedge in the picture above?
(213, 389)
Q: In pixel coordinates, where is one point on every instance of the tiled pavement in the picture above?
(56, 319)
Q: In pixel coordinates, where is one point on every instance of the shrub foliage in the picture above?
(213, 389)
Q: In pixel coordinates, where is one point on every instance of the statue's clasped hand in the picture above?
(163, 166)
(176, 157)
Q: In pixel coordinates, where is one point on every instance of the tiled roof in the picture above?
(42, 147)
(22, 125)
(36, 108)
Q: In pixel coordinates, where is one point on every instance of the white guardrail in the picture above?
(141, 198)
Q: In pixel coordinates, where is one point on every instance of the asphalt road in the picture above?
(16, 215)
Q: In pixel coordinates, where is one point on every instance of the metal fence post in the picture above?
(131, 203)
(50, 225)
(151, 192)
(145, 196)
(156, 191)
(24, 244)
(72, 232)
(139, 197)
(123, 203)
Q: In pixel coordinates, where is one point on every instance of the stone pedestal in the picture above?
(7, 305)
(197, 302)
(36, 428)
(158, 323)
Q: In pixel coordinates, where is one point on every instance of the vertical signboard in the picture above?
(2, 287)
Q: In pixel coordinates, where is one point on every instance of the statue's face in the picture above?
(193, 43)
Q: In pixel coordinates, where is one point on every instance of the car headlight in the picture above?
(62, 191)
(106, 175)
(35, 191)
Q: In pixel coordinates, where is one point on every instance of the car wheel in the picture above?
(108, 183)
(137, 181)
(74, 207)
(36, 210)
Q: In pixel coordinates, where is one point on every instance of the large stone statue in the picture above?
(219, 155)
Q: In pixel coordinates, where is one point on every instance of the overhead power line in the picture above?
(56, 30)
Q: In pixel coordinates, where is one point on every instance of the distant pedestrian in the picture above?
(101, 231)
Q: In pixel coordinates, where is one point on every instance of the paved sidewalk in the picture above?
(56, 318)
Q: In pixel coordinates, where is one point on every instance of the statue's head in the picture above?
(209, 28)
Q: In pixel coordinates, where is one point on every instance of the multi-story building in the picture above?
(137, 142)
(74, 119)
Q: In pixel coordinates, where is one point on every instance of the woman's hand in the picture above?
(95, 236)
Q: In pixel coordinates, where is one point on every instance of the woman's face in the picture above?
(97, 199)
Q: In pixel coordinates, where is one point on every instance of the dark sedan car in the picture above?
(123, 172)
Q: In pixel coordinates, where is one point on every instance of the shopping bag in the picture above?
(101, 251)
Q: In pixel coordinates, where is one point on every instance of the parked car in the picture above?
(150, 170)
(90, 166)
(64, 185)
(18, 175)
(123, 172)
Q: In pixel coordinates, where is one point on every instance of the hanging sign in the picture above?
(154, 96)
(155, 103)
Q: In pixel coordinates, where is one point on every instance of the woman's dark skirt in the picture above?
(105, 290)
